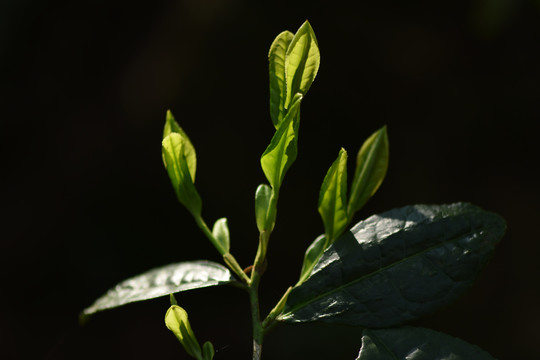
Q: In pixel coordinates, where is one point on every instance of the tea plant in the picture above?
(387, 269)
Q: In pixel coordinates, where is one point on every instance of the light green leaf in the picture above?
(415, 343)
(174, 156)
(301, 62)
(397, 266)
(333, 199)
(283, 148)
(312, 255)
(171, 126)
(208, 351)
(371, 167)
(263, 194)
(278, 89)
(163, 281)
(221, 234)
(176, 320)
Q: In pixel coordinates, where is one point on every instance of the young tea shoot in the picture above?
(386, 270)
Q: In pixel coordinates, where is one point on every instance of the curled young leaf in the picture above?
(208, 351)
(371, 167)
(333, 198)
(176, 320)
(302, 62)
(283, 148)
(397, 266)
(278, 87)
(171, 126)
(415, 343)
(263, 194)
(182, 177)
(221, 234)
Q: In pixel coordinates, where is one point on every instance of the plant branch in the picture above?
(227, 256)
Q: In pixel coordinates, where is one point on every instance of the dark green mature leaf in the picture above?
(311, 256)
(413, 343)
(163, 281)
(371, 167)
(182, 177)
(302, 62)
(333, 198)
(397, 266)
(283, 148)
(278, 87)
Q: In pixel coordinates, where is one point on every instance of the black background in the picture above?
(85, 201)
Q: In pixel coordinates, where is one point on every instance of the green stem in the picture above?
(258, 269)
(258, 332)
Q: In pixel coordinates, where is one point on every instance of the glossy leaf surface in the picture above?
(333, 198)
(278, 88)
(220, 231)
(413, 343)
(163, 281)
(311, 256)
(171, 126)
(301, 62)
(283, 148)
(371, 167)
(263, 194)
(177, 166)
(176, 320)
(397, 266)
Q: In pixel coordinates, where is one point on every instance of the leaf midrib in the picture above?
(325, 294)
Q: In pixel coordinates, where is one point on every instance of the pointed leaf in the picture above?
(263, 194)
(174, 156)
(276, 59)
(163, 281)
(282, 151)
(414, 343)
(221, 234)
(312, 255)
(333, 198)
(176, 320)
(301, 62)
(397, 266)
(371, 167)
(171, 126)
(208, 351)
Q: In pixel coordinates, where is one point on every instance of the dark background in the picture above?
(86, 203)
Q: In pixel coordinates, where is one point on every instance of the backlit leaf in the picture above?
(176, 320)
(371, 167)
(174, 157)
(221, 234)
(333, 198)
(313, 252)
(283, 148)
(278, 88)
(301, 62)
(171, 126)
(263, 194)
